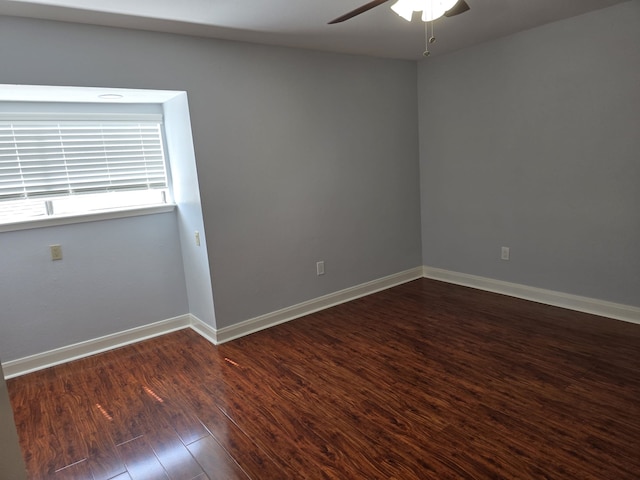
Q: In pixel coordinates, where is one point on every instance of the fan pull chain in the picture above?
(428, 39)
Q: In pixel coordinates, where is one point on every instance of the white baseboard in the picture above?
(593, 306)
(204, 330)
(22, 366)
(253, 325)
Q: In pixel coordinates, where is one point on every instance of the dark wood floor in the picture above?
(422, 381)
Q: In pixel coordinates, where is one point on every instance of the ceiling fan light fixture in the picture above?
(431, 9)
(405, 8)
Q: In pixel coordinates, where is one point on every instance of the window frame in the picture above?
(91, 112)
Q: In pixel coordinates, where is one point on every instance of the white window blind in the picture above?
(43, 160)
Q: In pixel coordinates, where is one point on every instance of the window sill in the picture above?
(86, 217)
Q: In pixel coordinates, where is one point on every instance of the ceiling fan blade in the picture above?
(457, 9)
(359, 10)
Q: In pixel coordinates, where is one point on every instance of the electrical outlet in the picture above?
(505, 253)
(320, 268)
(196, 235)
(56, 252)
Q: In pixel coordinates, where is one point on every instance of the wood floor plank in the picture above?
(254, 460)
(141, 460)
(35, 415)
(122, 476)
(173, 455)
(78, 471)
(104, 460)
(175, 405)
(215, 461)
(335, 415)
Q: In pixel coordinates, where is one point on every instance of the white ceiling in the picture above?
(303, 23)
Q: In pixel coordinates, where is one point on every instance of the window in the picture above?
(61, 165)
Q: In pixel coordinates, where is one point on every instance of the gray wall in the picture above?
(186, 193)
(301, 156)
(115, 275)
(532, 142)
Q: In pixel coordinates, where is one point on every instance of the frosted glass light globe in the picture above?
(431, 9)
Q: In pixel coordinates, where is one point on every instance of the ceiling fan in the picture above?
(431, 9)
